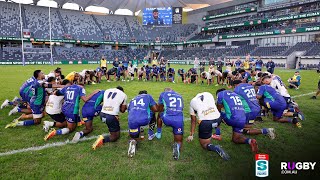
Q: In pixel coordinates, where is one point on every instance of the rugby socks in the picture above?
(264, 131)
(81, 134)
(218, 131)
(62, 131)
(50, 123)
(19, 109)
(211, 147)
(248, 141)
(10, 103)
(106, 139)
(26, 123)
(159, 130)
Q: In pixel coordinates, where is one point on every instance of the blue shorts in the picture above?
(277, 108)
(111, 121)
(88, 112)
(250, 117)
(206, 126)
(24, 96)
(134, 126)
(236, 124)
(72, 118)
(176, 122)
(36, 109)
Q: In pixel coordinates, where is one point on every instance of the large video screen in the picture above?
(157, 16)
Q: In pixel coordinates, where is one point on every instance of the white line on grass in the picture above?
(56, 144)
(303, 95)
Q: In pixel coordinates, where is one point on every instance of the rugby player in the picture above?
(135, 63)
(238, 64)
(139, 114)
(130, 72)
(258, 64)
(246, 76)
(170, 75)
(155, 72)
(141, 73)
(182, 74)
(114, 101)
(207, 76)
(90, 109)
(72, 94)
(170, 107)
(37, 100)
(54, 110)
(208, 118)
(276, 83)
(234, 116)
(192, 76)
(274, 101)
(252, 108)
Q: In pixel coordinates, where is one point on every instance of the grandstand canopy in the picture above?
(136, 5)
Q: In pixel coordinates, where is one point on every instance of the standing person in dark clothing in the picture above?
(270, 66)
(211, 62)
(219, 65)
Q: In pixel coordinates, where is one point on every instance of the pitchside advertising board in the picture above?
(162, 16)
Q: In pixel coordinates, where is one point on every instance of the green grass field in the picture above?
(154, 158)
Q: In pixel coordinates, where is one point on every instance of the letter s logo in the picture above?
(262, 165)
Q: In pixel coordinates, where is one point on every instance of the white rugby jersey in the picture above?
(83, 73)
(112, 100)
(54, 104)
(204, 106)
(278, 85)
(217, 73)
(208, 75)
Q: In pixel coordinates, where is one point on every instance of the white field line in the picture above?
(301, 95)
(56, 144)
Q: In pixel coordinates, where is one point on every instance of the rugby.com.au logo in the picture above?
(294, 167)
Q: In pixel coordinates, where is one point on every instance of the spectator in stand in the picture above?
(270, 66)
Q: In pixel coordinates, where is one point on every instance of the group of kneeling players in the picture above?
(60, 98)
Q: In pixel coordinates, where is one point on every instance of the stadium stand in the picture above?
(269, 51)
(314, 50)
(114, 27)
(300, 46)
(38, 22)
(9, 20)
(81, 26)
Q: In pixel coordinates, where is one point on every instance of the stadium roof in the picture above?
(136, 5)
